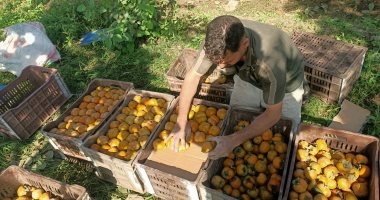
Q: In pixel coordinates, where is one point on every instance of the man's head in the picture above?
(226, 42)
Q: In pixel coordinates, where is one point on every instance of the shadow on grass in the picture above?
(21, 153)
(72, 173)
(343, 20)
(9, 152)
(315, 120)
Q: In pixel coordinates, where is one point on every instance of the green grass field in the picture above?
(146, 67)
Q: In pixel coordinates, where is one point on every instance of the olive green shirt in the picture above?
(273, 63)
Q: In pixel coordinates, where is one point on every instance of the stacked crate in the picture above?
(331, 67)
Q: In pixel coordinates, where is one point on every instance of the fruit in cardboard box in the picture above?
(158, 144)
(203, 121)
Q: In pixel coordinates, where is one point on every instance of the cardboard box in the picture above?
(185, 164)
(351, 117)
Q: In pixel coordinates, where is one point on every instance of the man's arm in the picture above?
(225, 144)
(188, 90)
(189, 87)
(262, 123)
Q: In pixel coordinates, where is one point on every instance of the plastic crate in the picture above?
(211, 92)
(164, 184)
(27, 102)
(14, 176)
(283, 126)
(70, 146)
(344, 141)
(331, 67)
(112, 169)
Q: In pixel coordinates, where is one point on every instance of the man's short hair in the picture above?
(223, 33)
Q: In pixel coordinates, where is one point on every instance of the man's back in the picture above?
(274, 48)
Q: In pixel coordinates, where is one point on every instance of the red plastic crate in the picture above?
(27, 102)
(344, 141)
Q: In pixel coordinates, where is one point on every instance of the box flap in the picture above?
(351, 117)
(185, 164)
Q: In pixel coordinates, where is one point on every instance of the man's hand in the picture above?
(224, 145)
(179, 135)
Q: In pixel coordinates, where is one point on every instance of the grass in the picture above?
(146, 66)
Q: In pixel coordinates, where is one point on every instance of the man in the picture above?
(269, 75)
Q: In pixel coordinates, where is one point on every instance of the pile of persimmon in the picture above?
(323, 173)
(90, 113)
(132, 127)
(220, 79)
(26, 192)
(253, 170)
(205, 122)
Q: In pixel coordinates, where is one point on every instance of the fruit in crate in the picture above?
(255, 167)
(131, 128)
(90, 112)
(329, 174)
(219, 79)
(219, 76)
(204, 121)
(30, 192)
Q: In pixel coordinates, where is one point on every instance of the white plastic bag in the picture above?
(26, 44)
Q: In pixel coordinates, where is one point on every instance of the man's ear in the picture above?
(244, 42)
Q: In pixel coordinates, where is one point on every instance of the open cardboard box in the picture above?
(174, 175)
(351, 117)
(186, 164)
